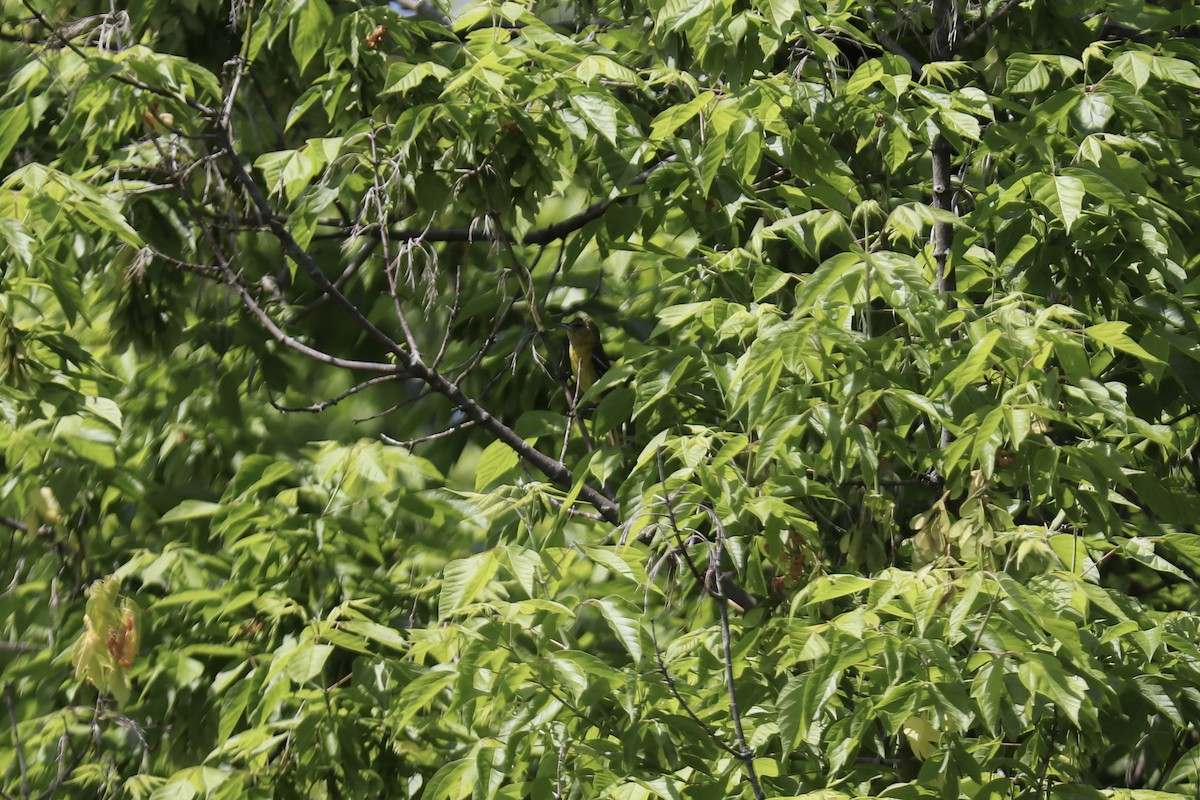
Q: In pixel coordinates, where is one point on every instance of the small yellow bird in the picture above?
(588, 360)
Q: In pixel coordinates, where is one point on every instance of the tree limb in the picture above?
(987, 24)
(406, 362)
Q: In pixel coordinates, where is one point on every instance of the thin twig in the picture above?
(356, 263)
(118, 76)
(316, 408)
(747, 753)
(453, 429)
(298, 254)
(683, 703)
(17, 745)
(260, 314)
(674, 523)
(451, 317)
(596, 210)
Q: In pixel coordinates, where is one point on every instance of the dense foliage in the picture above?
(299, 500)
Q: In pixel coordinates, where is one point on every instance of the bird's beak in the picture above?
(566, 325)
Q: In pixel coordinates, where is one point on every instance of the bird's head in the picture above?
(582, 330)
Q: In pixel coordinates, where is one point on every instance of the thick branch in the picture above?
(943, 232)
(14, 523)
(298, 254)
(65, 39)
(539, 236)
(407, 362)
(16, 734)
(890, 44)
(987, 24)
(592, 212)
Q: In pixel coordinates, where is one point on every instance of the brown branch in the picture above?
(406, 362)
(350, 271)
(117, 76)
(429, 437)
(294, 251)
(317, 408)
(14, 523)
(593, 212)
(987, 24)
(747, 753)
(713, 736)
(714, 567)
(890, 44)
(943, 232)
(20, 748)
(257, 311)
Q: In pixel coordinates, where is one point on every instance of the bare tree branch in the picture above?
(982, 28)
(887, 41)
(746, 753)
(14, 523)
(593, 212)
(17, 745)
(121, 77)
(453, 429)
(316, 408)
(406, 363)
(256, 310)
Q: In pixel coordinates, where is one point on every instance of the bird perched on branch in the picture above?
(588, 360)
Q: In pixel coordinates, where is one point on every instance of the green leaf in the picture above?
(1160, 697)
(496, 461)
(988, 439)
(1176, 70)
(773, 436)
(416, 696)
(832, 587)
(844, 272)
(192, 509)
(403, 77)
(91, 439)
(780, 14)
(789, 708)
(307, 661)
(972, 368)
(454, 780)
(1135, 67)
(669, 121)
(463, 580)
(768, 281)
(624, 623)
(382, 634)
(620, 561)
(13, 122)
(17, 242)
(287, 172)
(1043, 674)
(312, 26)
(1025, 76)
(1094, 111)
(961, 124)
(600, 112)
(1112, 334)
(867, 74)
(1062, 195)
